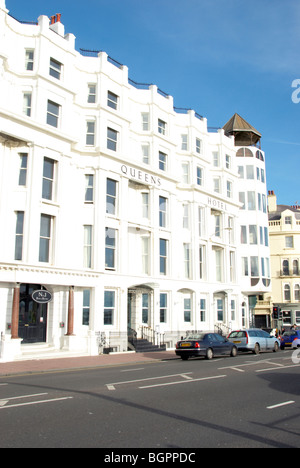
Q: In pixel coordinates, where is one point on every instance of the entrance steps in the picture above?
(144, 346)
(38, 351)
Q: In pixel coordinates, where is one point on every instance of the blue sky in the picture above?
(217, 57)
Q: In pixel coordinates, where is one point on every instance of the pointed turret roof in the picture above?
(244, 133)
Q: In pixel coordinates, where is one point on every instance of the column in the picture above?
(70, 331)
(15, 313)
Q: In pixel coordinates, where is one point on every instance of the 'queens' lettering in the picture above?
(141, 176)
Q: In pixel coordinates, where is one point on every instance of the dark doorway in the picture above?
(129, 308)
(32, 316)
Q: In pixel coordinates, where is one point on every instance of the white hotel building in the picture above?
(128, 211)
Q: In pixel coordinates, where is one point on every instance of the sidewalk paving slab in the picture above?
(40, 365)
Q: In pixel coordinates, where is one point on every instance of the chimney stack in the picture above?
(56, 25)
(272, 201)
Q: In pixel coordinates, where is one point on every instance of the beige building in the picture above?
(284, 232)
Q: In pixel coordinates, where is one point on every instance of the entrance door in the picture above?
(32, 316)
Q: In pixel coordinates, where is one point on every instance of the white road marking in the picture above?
(184, 381)
(111, 385)
(277, 364)
(36, 402)
(23, 396)
(187, 377)
(278, 368)
(281, 404)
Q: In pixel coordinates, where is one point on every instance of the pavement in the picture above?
(61, 364)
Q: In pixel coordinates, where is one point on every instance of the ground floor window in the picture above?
(202, 310)
(243, 314)
(86, 307)
(109, 307)
(220, 310)
(287, 317)
(187, 306)
(145, 308)
(163, 307)
(232, 310)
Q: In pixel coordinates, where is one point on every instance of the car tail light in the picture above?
(197, 345)
(247, 338)
(177, 346)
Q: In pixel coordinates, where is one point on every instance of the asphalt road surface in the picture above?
(247, 401)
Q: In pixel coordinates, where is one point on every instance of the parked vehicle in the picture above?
(204, 344)
(288, 339)
(254, 340)
(296, 343)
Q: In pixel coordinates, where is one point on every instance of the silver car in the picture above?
(254, 340)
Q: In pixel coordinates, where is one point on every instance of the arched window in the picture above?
(295, 267)
(259, 155)
(287, 292)
(244, 152)
(297, 292)
(285, 267)
(248, 153)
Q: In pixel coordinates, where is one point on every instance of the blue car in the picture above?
(205, 344)
(288, 337)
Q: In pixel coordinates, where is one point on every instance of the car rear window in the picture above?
(197, 337)
(290, 333)
(238, 334)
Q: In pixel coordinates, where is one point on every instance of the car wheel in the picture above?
(209, 354)
(234, 352)
(276, 347)
(256, 349)
(282, 347)
(184, 358)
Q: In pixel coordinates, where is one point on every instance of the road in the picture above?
(247, 401)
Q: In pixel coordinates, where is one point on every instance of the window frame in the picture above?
(53, 118)
(112, 143)
(111, 249)
(112, 100)
(19, 235)
(162, 127)
(109, 309)
(55, 69)
(48, 186)
(46, 241)
(29, 61)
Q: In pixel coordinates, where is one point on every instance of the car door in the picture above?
(269, 340)
(262, 339)
(220, 344)
(210, 342)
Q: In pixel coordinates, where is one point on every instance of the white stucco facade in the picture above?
(110, 192)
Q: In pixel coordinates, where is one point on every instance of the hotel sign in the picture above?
(140, 176)
(217, 204)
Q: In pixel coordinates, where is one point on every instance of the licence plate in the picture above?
(237, 342)
(185, 345)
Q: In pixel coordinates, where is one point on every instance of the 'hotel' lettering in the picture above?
(217, 204)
